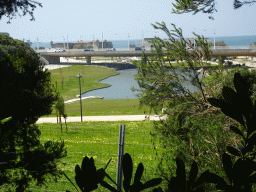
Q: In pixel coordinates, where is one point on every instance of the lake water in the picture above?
(121, 86)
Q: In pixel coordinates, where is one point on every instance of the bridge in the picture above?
(54, 58)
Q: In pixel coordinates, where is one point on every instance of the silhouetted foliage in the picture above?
(10, 8)
(185, 6)
(25, 95)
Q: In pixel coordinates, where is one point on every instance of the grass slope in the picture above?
(68, 86)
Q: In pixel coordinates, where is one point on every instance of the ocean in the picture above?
(231, 41)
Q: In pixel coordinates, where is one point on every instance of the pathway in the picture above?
(104, 118)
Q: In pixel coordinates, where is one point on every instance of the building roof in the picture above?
(80, 41)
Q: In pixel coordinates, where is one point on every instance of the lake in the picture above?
(121, 86)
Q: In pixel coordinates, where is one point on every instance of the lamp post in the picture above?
(214, 38)
(102, 42)
(93, 42)
(67, 42)
(64, 42)
(142, 39)
(37, 43)
(79, 76)
(128, 42)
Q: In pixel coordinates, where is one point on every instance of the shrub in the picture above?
(220, 61)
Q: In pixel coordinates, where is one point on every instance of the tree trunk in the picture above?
(60, 123)
(66, 126)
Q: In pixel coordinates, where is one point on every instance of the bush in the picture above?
(220, 61)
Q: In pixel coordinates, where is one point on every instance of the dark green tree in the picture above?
(26, 94)
(206, 6)
(9, 8)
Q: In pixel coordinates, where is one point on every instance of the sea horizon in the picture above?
(229, 40)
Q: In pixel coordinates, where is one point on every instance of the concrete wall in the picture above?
(117, 66)
(97, 45)
(52, 59)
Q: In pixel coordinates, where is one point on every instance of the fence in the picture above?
(121, 145)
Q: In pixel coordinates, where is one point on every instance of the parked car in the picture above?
(58, 50)
(139, 48)
(111, 49)
(88, 50)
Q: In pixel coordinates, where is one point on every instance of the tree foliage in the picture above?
(60, 109)
(10, 8)
(26, 94)
(206, 6)
(183, 133)
(219, 43)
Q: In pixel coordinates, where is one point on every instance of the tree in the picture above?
(10, 8)
(161, 89)
(26, 94)
(132, 45)
(185, 6)
(219, 43)
(60, 110)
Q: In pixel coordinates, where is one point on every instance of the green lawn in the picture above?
(92, 107)
(100, 141)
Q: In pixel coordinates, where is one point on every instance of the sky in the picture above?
(84, 20)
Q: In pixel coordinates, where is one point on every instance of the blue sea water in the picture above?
(231, 41)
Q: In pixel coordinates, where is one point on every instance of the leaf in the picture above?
(233, 151)
(228, 94)
(238, 172)
(106, 185)
(227, 164)
(231, 111)
(216, 102)
(236, 130)
(211, 178)
(136, 187)
(152, 183)
(138, 173)
(252, 179)
(252, 140)
(78, 177)
(127, 170)
(240, 84)
(181, 174)
(192, 176)
(100, 175)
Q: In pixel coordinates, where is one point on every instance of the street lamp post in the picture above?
(64, 42)
(37, 43)
(93, 42)
(67, 42)
(128, 42)
(79, 76)
(142, 39)
(214, 38)
(102, 42)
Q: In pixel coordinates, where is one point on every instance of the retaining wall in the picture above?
(116, 66)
